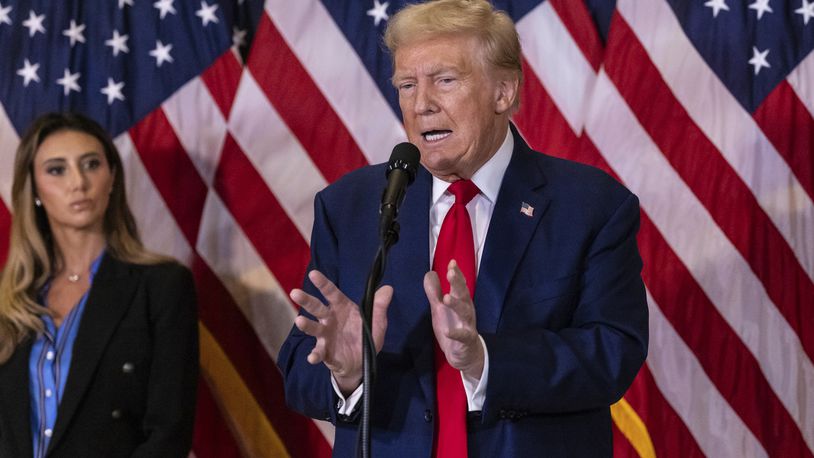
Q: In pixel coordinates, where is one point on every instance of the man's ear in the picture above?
(507, 91)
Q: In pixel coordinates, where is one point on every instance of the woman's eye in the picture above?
(92, 164)
(55, 170)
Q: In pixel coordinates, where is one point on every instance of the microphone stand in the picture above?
(389, 236)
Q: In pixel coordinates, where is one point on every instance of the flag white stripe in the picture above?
(714, 262)
(717, 429)
(8, 146)
(257, 293)
(340, 74)
(201, 135)
(558, 62)
(276, 153)
(724, 121)
(800, 81)
(148, 206)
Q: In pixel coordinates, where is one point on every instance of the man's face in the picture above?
(454, 105)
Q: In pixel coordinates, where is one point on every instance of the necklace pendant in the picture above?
(73, 278)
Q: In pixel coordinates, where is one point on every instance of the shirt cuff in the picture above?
(476, 389)
(345, 406)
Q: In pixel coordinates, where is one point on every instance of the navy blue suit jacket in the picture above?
(559, 298)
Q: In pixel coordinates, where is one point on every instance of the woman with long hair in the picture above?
(98, 336)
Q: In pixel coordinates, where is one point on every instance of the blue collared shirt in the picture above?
(48, 367)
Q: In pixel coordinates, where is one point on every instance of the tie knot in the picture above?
(464, 191)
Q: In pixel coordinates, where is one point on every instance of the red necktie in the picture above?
(455, 241)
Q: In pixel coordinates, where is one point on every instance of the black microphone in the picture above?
(400, 173)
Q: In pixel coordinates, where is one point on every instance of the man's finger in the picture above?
(325, 286)
(432, 287)
(457, 281)
(310, 327)
(381, 302)
(310, 303)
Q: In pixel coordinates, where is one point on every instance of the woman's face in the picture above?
(73, 179)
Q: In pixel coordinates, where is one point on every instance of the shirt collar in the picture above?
(489, 177)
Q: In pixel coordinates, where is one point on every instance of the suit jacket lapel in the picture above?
(109, 299)
(15, 399)
(510, 231)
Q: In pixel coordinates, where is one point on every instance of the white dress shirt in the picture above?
(488, 180)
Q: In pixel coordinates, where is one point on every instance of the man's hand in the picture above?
(453, 321)
(338, 328)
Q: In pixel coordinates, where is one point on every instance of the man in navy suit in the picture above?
(557, 327)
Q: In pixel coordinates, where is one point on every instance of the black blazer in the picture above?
(131, 388)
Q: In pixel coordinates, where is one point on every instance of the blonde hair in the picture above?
(493, 28)
(32, 254)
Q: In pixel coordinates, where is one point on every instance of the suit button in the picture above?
(128, 368)
(502, 414)
(428, 415)
(116, 414)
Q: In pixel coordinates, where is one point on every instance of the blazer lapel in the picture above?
(510, 232)
(15, 399)
(109, 299)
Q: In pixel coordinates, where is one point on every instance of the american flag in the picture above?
(231, 115)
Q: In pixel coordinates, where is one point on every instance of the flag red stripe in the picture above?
(577, 19)
(217, 308)
(668, 432)
(789, 126)
(212, 437)
(302, 106)
(172, 171)
(731, 367)
(5, 230)
(688, 309)
(260, 215)
(223, 78)
(622, 447)
(539, 120)
(712, 180)
(256, 368)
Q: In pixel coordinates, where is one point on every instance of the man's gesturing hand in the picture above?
(338, 328)
(453, 321)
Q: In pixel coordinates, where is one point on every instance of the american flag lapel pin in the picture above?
(527, 209)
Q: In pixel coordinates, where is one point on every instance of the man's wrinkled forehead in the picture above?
(471, 51)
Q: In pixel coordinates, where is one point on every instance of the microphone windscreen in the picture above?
(405, 156)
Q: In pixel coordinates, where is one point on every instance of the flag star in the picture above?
(761, 6)
(34, 23)
(4, 10)
(29, 72)
(238, 37)
(807, 10)
(207, 13)
(75, 33)
(125, 2)
(165, 6)
(69, 82)
(759, 59)
(717, 6)
(161, 53)
(378, 12)
(113, 91)
(118, 43)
